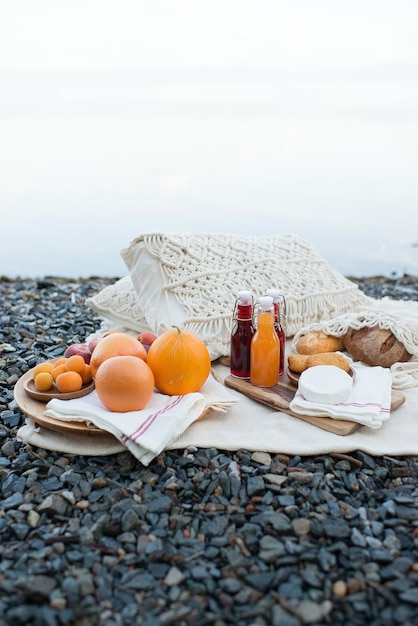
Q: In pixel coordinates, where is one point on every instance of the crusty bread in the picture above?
(375, 346)
(300, 362)
(316, 342)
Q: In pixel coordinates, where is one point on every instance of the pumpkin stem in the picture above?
(179, 331)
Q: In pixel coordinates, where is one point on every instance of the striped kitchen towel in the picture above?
(368, 404)
(146, 433)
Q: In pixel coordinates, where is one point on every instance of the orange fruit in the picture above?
(116, 344)
(44, 381)
(180, 362)
(75, 363)
(45, 366)
(57, 370)
(124, 383)
(69, 381)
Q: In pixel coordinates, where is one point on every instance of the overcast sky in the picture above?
(122, 117)
(109, 34)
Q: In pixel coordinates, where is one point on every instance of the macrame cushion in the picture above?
(119, 305)
(191, 280)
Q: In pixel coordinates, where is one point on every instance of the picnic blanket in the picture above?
(250, 425)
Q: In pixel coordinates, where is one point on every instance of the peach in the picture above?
(92, 344)
(78, 348)
(147, 338)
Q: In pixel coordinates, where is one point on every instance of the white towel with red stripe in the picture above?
(148, 432)
(368, 404)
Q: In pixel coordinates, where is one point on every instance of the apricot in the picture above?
(58, 369)
(86, 374)
(69, 382)
(60, 361)
(44, 381)
(75, 363)
(45, 366)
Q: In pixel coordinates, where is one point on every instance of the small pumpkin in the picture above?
(180, 362)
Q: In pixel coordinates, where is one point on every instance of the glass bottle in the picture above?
(242, 334)
(277, 298)
(265, 347)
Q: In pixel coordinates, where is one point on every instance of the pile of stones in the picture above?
(200, 537)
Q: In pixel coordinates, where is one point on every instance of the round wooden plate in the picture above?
(294, 376)
(45, 396)
(35, 408)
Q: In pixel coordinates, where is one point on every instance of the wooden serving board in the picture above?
(280, 396)
(35, 408)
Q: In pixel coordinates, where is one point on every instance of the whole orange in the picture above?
(124, 383)
(116, 344)
(180, 362)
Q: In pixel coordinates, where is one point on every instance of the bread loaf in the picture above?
(300, 362)
(375, 346)
(316, 341)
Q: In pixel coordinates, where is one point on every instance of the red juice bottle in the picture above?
(242, 334)
(277, 302)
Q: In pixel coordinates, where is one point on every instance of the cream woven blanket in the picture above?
(252, 426)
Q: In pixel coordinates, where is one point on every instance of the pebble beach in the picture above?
(200, 537)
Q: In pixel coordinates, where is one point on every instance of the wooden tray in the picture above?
(280, 396)
(35, 409)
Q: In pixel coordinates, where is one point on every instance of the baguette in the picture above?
(317, 342)
(300, 362)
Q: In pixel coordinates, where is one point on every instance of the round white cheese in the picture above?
(325, 384)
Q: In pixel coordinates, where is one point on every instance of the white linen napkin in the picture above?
(145, 433)
(368, 403)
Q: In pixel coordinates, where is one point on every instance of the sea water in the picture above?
(92, 248)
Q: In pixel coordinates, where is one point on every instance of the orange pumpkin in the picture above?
(180, 362)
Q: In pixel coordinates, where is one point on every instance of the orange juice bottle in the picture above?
(265, 347)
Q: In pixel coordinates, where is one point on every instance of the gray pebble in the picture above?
(271, 549)
(201, 535)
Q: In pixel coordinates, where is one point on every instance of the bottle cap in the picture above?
(245, 296)
(265, 303)
(274, 293)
